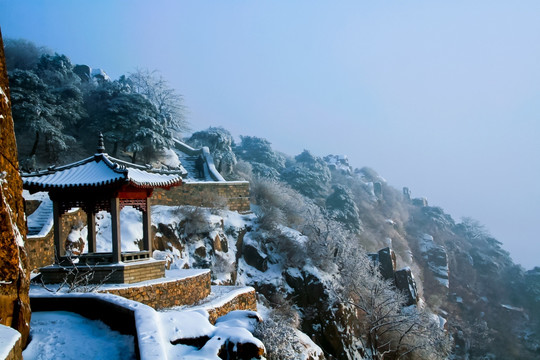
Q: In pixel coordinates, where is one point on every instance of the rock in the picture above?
(201, 251)
(14, 272)
(407, 194)
(339, 163)
(436, 258)
(404, 281)
(377, 190)
(220, 243)
(74, 244)
(84, 72)
(241, 350)
(100, 75)
(387, 262)
(422, 202)
(165, 238)
(255, 258)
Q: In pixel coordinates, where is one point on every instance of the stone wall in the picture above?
(185, 291)
(122, 273)
(243, 301)
(234, 194)
(14, 274)
(41, 249)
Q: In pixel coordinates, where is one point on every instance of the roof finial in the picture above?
(101, 144)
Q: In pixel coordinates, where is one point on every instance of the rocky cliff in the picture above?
(14, 274)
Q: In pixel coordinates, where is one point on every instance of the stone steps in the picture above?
(40, 218)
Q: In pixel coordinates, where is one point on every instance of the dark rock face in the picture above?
(241, 351)
(403, 279)
(14, 273)
(323, 324)
(422, 202)
(405, 282)
(255, 258)
(387, 262)
(83, 71)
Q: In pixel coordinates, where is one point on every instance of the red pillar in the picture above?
(91, 225)
(147, 227)
(115, 222)
(57, 225)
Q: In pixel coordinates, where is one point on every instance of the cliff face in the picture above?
(14, 274)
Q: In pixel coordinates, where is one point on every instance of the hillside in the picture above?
(306, 245)
(464, 276)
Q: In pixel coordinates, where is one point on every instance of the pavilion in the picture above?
(98, 183)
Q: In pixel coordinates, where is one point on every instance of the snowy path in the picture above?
(66, 335)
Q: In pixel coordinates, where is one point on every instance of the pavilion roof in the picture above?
(98, 171)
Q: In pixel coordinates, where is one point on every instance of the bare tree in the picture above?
(78, 278)
(167, 101)
(391, 331)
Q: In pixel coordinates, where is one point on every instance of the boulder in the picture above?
(254, 257)
(220, 242)
(84, 72)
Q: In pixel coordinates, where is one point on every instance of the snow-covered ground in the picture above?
(66, 335)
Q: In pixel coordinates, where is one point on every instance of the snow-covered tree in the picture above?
(341, 207)
(128, 121)
(266, 162)
(23, 54)
(310, 175)
(47, 105)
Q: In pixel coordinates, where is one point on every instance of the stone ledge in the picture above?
(225, 299)
(10, 343)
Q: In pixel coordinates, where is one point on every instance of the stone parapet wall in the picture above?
(41, 249)
(137, 272)
(184, 291)
(123, 273)
(246, 300)
(234, 194)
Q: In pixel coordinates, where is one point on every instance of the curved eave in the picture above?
(152, 185)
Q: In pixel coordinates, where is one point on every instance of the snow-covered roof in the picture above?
(100, 170)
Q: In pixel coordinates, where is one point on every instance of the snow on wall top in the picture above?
(8, 339)
(98, 170)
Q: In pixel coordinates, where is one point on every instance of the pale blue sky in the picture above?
(439, 96)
